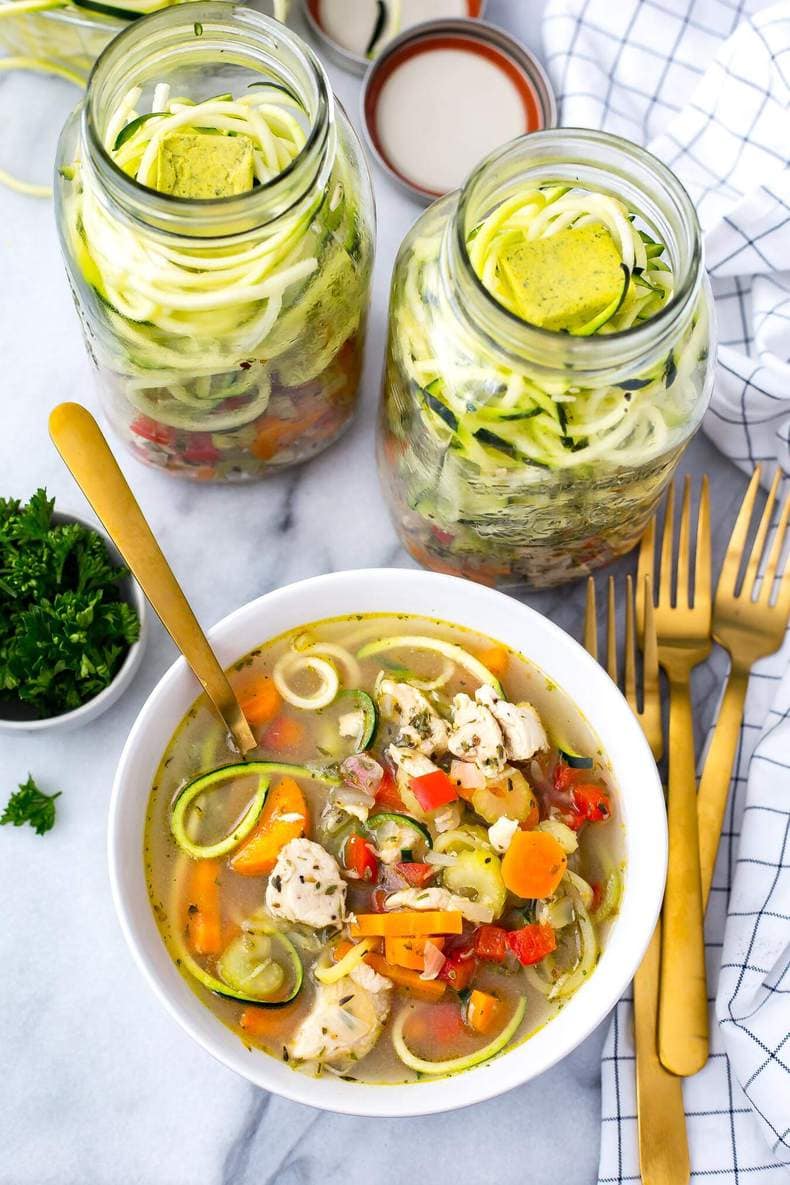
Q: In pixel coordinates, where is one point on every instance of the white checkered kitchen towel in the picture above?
(706, 85)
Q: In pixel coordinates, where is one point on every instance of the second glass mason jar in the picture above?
(227, 331)
(514, 454)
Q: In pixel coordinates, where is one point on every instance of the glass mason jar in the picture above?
(512, 454)
(227, 332)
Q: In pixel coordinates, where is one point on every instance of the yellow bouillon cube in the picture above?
(563, 281)
(202, 165)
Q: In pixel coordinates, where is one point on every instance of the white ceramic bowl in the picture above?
(564, 661)
(20, 720)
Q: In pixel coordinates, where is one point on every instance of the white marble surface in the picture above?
(99, 1086)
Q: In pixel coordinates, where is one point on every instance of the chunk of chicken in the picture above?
(500, 833)
(352, 802)
(421, 726)
(440, 899)
(448, 817)
(306, 886)
(476, 736)
(369, 979)
(521, 725)
(344, 1023)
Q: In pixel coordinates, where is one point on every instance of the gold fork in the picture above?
(683, 628)
(750, 625)
(663, 1144)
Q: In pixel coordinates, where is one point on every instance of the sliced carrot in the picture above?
(409, 952)
(408, 922)
(421, 989)
(266, 1022)
(261, 701)
(534, 864)
(275, 434)
(258, 854)
(204, 921)
(282, 734)
(496, 659)
(483, 1011)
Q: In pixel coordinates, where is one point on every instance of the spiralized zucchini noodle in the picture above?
(545, 977)
(291, 665)
(488, 446)
(198, 328)
(68, 55)
(497, 415)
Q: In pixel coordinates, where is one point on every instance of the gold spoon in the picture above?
(82, 446)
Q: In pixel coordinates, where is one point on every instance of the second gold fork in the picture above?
(683, 620)
(663, 1142)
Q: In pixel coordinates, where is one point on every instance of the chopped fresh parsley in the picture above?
(30, 805)
(64, 632)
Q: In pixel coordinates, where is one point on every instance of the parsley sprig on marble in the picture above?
(63, 630)
(30, 805)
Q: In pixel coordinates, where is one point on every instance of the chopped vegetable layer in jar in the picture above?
(222, 356)
(414, 870)
(509, 455)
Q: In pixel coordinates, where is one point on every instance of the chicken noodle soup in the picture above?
(414, 870)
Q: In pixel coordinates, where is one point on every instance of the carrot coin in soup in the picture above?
(415, 869)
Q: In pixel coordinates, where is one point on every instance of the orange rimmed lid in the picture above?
(445, 94)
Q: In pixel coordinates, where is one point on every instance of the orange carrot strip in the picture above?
(257, 856)
(409, 952)
(261, 702)
(407, 922)
(265, 1022)
(534, 864)
(204, 921)
(483, 1011)
(282, 734)
(421, 989)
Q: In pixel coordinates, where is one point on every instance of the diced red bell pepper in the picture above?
(490, 943)
(359, 859)
(150, 430)
(415, 874)
(433, 790)
(592, 802)
(377, 900)
(458, 969)
(387, 794)
(532, 943)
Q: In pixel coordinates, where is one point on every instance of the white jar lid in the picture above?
(445, 94)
